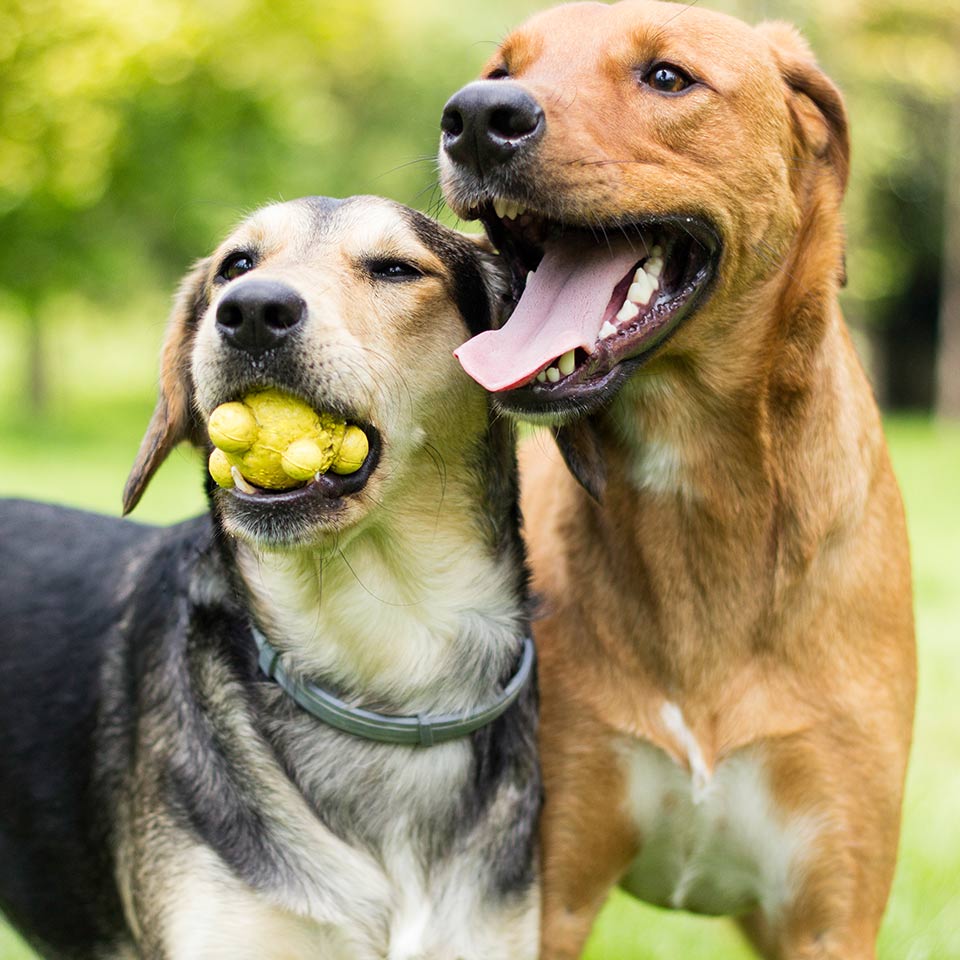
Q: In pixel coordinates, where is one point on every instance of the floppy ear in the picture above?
(173, 418)
(816, 107)
(496, 277)
(582, 452)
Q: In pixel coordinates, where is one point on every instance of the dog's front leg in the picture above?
(588, 839)
(850, 784)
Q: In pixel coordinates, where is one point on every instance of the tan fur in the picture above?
(749, 562)
(373, 338)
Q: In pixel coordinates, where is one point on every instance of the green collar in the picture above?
(424, 730)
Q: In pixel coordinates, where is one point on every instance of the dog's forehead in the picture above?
(581, 31)
(357, 225)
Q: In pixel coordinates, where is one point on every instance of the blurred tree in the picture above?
(948, 366)
(899, 66)
(132, 134)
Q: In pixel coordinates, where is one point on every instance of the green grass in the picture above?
(81, 456)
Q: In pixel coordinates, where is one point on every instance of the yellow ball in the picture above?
(353, 451)
(219, 467)
(276, 441)
(233, 427)
(303, 458)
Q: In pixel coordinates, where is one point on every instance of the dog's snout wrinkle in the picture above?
(256, 315)
(488, 122)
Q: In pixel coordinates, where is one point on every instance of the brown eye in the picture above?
(665, 78)
(235, 266)
(393, 270)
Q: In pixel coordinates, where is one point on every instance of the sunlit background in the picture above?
(133, 134)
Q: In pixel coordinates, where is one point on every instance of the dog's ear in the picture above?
(495, 274)
(173, 418)
(582, 452)
(816, 106)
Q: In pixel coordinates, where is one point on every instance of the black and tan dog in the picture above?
(159, 796)
(728, 655)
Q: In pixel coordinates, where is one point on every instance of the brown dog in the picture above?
(727, 657)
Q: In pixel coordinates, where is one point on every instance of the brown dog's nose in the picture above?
(256, 315)
(488, 122)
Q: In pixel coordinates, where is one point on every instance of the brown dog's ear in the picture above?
(583, 454)
(819, 116)
(173, 418)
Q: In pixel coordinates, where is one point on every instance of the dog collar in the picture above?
(423, 730)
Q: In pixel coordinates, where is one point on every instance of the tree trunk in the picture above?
(948, 361)
(37, 392)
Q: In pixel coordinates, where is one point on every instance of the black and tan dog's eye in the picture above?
(235, 266)
(396, 270)
(666, 78)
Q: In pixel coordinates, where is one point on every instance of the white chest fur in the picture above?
(712, 841)
(400, 916)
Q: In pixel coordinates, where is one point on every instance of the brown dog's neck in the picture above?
(727, 497)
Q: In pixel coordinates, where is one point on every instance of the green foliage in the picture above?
(131, 135)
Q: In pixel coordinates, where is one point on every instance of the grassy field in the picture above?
(81, 456)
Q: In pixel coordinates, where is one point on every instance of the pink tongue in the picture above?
(562, 308)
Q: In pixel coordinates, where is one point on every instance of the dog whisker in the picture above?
(431, 158)
(368, 591)
(441, 466)
(679, 13)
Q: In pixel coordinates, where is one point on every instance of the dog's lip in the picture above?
(328, 488)
(568, 399)
(600, 373)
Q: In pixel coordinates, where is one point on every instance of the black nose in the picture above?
(489, 122)
(255, 315)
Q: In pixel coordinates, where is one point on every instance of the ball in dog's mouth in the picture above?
(591, 304)
(271, 445)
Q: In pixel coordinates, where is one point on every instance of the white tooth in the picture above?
(657, 251)
(638, 275)
(640, 291)
(567, 363)
(653, 267)
(542, 376)
(500, 206)
(530, 276)
(553, 374)
(608, 329)
(239, 480)
(627, 312)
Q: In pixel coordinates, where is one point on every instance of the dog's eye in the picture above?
(666, 78)
(393, 270)
(499, 73)
(235, 265)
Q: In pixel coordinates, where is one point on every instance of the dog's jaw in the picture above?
(591, 305)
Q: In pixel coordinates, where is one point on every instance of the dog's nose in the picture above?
(256, 315)
(488, 122)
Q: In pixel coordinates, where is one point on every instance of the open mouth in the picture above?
(591, 303)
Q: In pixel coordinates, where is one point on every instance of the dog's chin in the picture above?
(310, 514)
